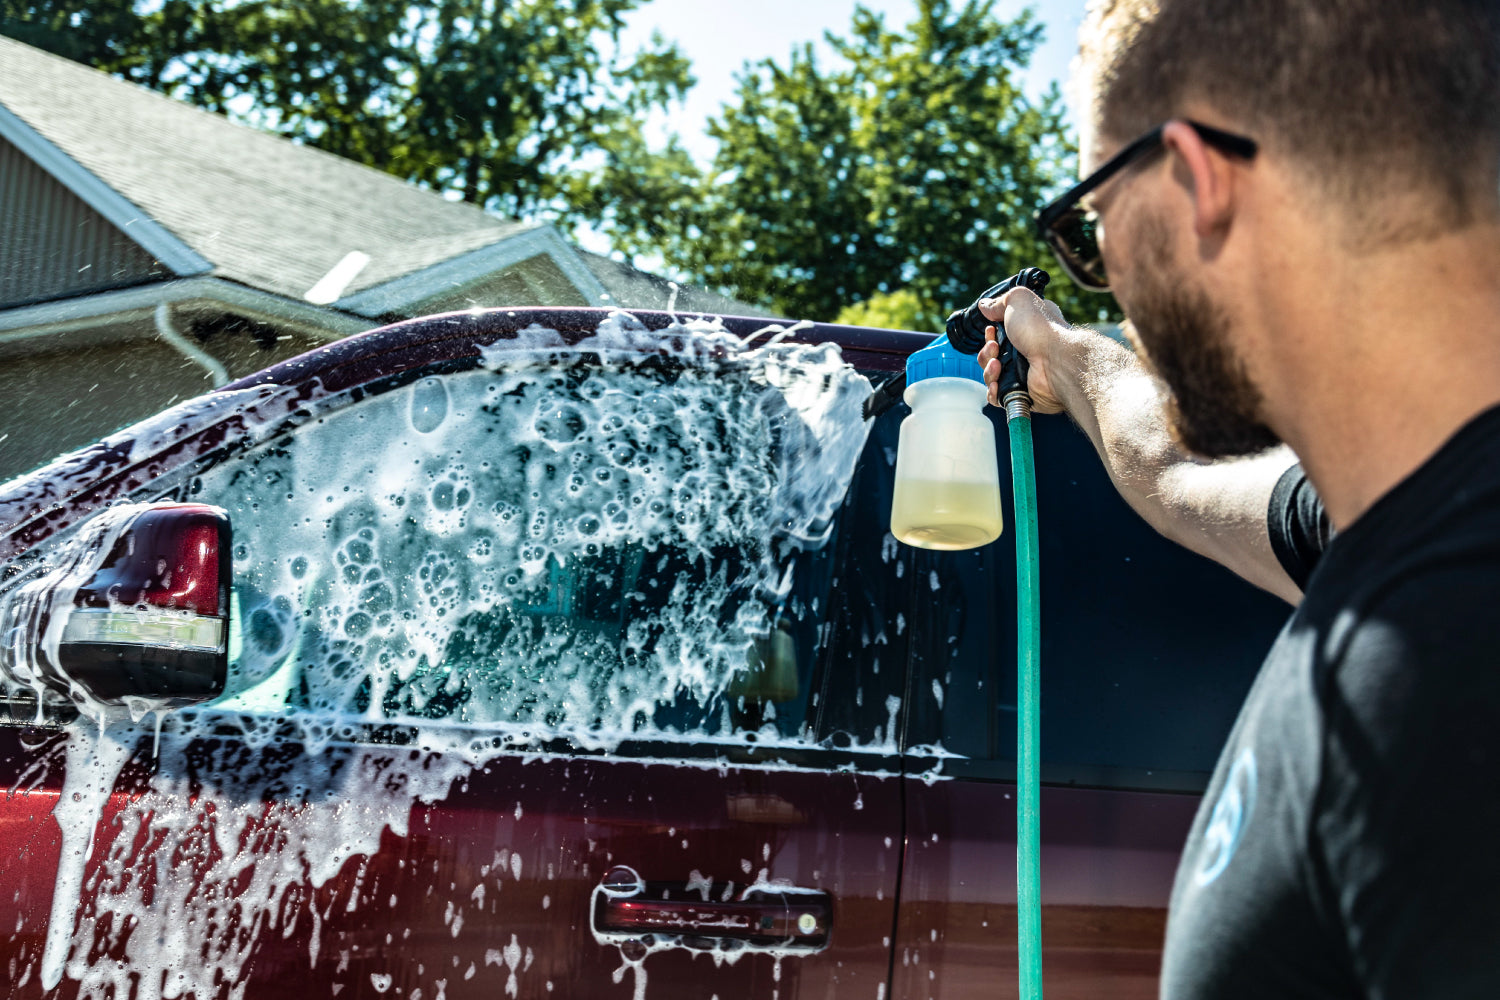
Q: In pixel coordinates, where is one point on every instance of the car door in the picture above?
(548, 677)
(1147, 651)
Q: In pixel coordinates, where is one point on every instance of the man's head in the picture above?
(1377, 122)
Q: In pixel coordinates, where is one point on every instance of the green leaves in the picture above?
(913, 166)
(889, 311)
(496, 102)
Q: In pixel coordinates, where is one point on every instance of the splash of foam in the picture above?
(34, 610)
(612, 522)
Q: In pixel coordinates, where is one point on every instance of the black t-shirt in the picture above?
(1349, 843)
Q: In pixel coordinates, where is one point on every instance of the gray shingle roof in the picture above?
(633, 288)
(266, 212)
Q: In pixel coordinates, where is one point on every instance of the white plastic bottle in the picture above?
(947, 491)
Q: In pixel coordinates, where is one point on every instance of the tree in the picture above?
(913, 166)
(497, 102)
(898, 310)
(82, 30)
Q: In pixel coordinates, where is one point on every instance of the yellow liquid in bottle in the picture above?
(937, 514)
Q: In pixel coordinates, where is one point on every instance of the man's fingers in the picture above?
(1032, 324)
(987, 356)
(991, 349)
(995, 308)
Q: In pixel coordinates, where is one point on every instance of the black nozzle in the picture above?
(966, 333)
(966, 327)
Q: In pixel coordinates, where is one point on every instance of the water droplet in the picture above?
(429, 405)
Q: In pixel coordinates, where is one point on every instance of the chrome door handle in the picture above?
(628, 908)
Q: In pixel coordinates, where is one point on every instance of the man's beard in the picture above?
(1213, 409)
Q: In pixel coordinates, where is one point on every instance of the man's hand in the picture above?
(1217, 509)
(1035, 326)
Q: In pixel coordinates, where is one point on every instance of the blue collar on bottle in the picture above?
(941, 359)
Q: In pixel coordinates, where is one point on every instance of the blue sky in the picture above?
(720, 36)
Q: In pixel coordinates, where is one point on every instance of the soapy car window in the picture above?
(606, 553)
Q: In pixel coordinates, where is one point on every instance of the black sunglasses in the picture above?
(1072, 231)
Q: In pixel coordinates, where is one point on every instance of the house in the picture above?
(150, 250)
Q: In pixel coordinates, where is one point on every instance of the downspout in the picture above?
(187, 348)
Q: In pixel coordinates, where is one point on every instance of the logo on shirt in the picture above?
(1226, 825)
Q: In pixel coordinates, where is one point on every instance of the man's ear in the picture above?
(1207, 175)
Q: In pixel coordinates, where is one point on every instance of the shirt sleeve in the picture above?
(1298, 525)
(1409, 803)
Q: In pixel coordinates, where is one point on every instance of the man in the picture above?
(1306, 243)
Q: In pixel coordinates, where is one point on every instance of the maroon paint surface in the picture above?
(569, 820)
(1107, 861)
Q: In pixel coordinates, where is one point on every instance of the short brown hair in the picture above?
(1368, 95)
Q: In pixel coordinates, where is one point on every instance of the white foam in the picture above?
(35, 606)
(495, 501)
(94, 760)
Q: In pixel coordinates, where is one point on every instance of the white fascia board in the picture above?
(401, 294)
(122, 213)
(565, 256)
(141, 301)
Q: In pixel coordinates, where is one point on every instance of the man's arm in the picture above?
(1217, 509)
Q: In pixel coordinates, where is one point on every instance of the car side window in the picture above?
(1147, 649)
(596, 551)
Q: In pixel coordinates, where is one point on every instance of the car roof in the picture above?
(52, 498)
(455, 336)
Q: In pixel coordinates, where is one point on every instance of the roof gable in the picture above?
(479, 278)
(54, 244)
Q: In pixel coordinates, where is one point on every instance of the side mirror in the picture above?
(153, 620)
(139, 610)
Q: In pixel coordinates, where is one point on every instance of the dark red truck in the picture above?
(555, 664)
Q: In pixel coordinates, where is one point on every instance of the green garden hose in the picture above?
(1028, 699)
(966, 333)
